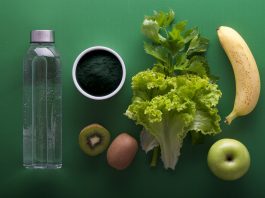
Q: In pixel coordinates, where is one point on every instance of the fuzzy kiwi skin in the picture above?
(122, 151)
(89, 130)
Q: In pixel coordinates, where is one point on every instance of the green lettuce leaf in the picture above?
(169, 107)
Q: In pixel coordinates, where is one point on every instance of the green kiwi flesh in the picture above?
(94, 139)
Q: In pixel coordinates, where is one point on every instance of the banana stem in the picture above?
(230, 117)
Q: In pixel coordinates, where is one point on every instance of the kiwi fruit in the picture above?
(94, 139)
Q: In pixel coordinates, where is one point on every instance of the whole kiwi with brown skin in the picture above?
(122, 151)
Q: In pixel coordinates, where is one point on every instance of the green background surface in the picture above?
(116, 24)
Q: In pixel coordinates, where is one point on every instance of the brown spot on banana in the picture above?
(245, 69)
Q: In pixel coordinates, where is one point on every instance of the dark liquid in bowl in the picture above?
(99, 72)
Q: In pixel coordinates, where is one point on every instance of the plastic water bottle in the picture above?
(42, 103)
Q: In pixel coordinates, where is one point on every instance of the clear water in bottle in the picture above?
(42, 106)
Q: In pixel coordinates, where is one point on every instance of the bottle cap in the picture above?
(43, 36)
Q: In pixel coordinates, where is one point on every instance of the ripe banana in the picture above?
(245, 70)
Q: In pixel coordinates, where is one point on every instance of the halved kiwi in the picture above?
(94, 139)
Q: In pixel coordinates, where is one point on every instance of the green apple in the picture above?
(228, 159)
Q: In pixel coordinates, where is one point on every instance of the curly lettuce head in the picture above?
(169, 107)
